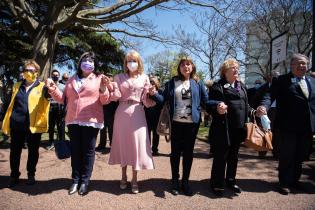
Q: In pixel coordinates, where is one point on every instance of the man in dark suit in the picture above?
(295, 119)
(259, 95)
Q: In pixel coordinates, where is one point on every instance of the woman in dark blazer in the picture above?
(227, 131)
(185, 95)
(152, 115)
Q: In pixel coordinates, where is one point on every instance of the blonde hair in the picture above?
(32, 62)
(226, 65)
(135, 55)
(193, 74)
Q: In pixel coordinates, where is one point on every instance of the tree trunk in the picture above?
(43, 52)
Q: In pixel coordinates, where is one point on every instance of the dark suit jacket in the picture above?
(238, 110)
(295, 112)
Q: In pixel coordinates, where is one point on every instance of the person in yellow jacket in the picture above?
(26, 118)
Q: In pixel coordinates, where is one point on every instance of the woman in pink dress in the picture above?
(131, 143)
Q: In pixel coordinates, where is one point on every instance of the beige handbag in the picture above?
(164, 125)
(257, 138)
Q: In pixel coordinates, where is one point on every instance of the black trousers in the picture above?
(183, 137)
(17, 142)
(225, 158)
(154, 136)
(294, 149)
(56, 117)
(108, 128)
(82, 139)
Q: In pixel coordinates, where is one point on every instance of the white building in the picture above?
(259, 35)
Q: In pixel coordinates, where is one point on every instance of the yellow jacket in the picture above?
(38, 107)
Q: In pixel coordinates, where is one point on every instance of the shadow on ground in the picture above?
(158, 186)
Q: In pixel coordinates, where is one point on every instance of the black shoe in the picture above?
(155, 153)
(284, 190)
(175, 187)
(25, 146)
(73, 189)
(50, 147)
(235, 188)
(30, 180)
(13, 182)
(217, 191)
(186, 188)
(83, 189)
(100, 148)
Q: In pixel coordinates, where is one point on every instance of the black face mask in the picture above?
(54, 78)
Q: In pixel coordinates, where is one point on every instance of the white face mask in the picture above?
(132, 66)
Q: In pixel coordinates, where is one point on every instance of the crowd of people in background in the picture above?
(124, 110)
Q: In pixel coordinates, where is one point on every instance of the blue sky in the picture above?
(166, 22)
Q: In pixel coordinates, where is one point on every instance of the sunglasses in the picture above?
(29, 69)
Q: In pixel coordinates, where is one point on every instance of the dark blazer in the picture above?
(259, 94)
(294, 111)
(238, 110)
(199, 97)
(152, 114)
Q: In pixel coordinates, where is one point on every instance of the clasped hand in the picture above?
(222, 108)
(260, 111)
(50, 84)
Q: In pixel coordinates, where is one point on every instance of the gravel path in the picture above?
(257, 177)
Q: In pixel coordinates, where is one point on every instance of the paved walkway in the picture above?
(257, 177)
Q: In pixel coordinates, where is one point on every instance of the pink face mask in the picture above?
(87, 66)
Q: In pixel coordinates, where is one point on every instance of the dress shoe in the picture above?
(186, 189)
(13, 182)
(123, 184)
(50, 147)
(217, 191)
(235, 188)
(134, 188)
(284, 190)
(30, 180)
(155, 153)
(83, 189)
(175, 187)
(73, 189)
(100, 148)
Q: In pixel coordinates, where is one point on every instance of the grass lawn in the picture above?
(203, 132)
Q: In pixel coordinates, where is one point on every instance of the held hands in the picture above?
(50, 84)
(105, 83)
(222, 108)
(260, 111)
(152, 90)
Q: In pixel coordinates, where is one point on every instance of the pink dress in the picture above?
(131, 144)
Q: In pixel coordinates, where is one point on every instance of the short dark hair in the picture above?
(55, 70)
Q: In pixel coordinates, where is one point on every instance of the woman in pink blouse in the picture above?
(84, 94)
(131, 144)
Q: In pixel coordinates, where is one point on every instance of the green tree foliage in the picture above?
(164, 65)
(72, 42)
